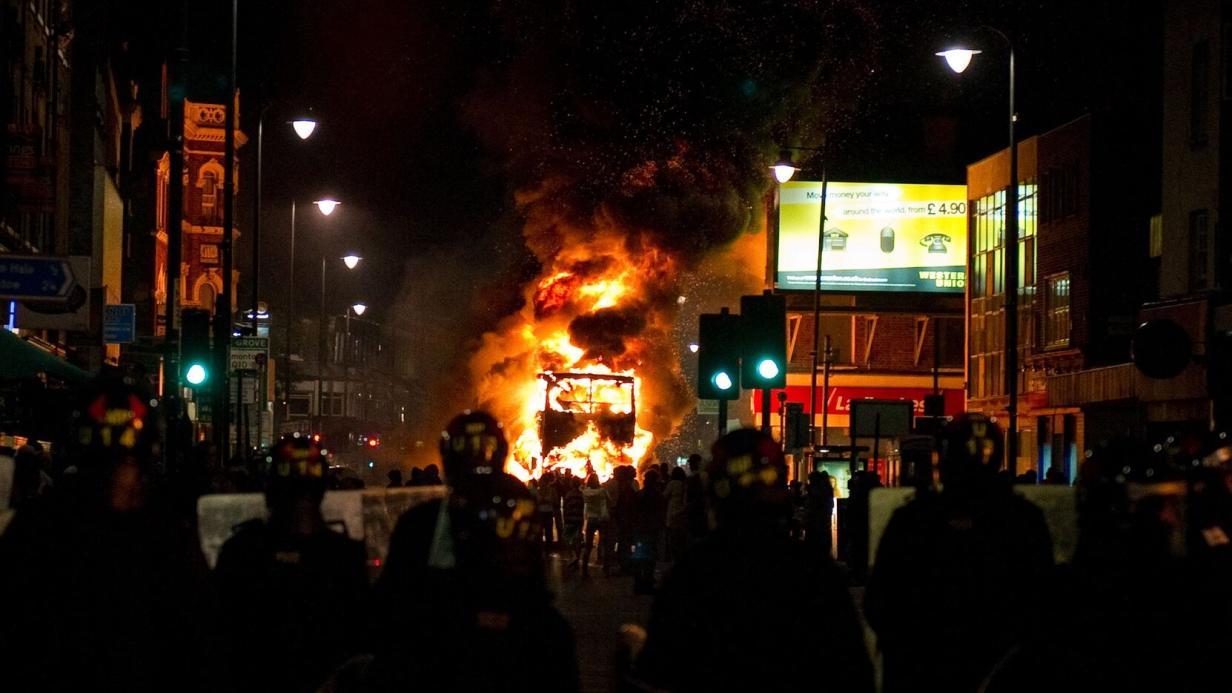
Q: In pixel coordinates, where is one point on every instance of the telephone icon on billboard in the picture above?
(936, 242)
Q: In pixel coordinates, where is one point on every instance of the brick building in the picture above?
(1083, 260)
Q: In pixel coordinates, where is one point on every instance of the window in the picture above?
(1199, 92)
(838, 327)
(209, 195)
(1056, 311)
(298, 405)
(333, 404)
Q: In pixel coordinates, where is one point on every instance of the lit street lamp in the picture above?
(958, 58)
(322, 206)
(351, 261)
(304, 127)
(784, 169)
(359, 309)
(327, 206)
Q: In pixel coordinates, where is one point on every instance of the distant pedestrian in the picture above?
(417, 477)
(431, 476)
(395, 478)
(695, 500)
(726, 609)
(677, 517)
(574, 517)
(598, 521)
(1055, 477)
(819, 512)
(650, 511)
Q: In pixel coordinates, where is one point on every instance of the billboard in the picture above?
(891, 237)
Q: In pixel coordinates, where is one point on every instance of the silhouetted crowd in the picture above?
(106, 587)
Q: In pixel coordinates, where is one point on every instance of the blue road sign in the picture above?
(35, 277)
(120, 323)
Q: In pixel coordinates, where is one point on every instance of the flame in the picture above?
(555, 369)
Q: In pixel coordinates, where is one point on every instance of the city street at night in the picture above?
(656, 346)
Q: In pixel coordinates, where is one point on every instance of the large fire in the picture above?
(565, 373)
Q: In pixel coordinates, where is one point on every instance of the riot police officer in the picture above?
(959, 576)
(293, 589)
(464, 602)
(732, 611)
(104, 588)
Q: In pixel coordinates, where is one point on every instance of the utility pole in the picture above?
(223, 308)
(176, 92)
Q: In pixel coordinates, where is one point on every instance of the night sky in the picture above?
(435, 113)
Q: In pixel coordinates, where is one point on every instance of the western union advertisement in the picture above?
(878, 237)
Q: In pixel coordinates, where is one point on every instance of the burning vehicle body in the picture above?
(588, 420)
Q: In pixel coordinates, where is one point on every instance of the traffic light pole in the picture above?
(766, 403)
(722, 418)
(821, 246)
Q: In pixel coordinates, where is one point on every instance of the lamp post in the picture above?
(326, 207)
(351, 261)
(784, 169)
(958, 59)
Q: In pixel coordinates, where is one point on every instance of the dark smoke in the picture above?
(646, 119)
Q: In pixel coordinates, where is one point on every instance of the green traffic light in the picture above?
(722, 380)
(768, 369)
(196, 374)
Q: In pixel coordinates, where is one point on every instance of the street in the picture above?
(596, 607)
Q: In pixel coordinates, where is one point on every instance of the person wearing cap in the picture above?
(960, 575)
(736, 610)
(105, 588)
(465, 604)
(293, 589)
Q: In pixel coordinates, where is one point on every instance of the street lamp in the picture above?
(327, 206)
(351, 261)
(958, 58)
(359, 309)
(322, 206)
(784, 169)
(304, 127)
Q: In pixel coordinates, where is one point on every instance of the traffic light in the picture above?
(718, 356)
(764, 346)
(796, 429)
(195, 353)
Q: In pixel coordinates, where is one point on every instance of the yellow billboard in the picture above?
(878, 237)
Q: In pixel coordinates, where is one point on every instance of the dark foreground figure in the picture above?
(748, 608)
(292, 588)
(960, 575)
(462, 602)
(104, 588)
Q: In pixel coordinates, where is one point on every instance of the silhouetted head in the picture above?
(295, 474)
(971, 451)
(432, 475)
(747, 481)
(678, 474)
(592, 481)
(472, 445)
(695, 463)
(395, 477)
(1130, 495)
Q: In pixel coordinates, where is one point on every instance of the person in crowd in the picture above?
(597, 501)
(465, 604)
(549, 508)
(106, 588)
(431, 476)
(623, 490)
(859, 490)
(677, 519)
(795, 492)
(574, 517)
(695, 500)
(1055, 476)
(417, 477)
(649, 517)
(293, 590)
(957, 581)
(819, 511)
(395, 478)
(1028, 478)
(725, 610)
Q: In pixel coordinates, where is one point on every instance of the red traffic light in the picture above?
(374, 442)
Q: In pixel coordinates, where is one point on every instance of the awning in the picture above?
(19, 359)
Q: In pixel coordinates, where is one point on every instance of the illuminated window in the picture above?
(1056, 311)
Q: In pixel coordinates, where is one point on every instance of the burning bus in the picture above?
(588, 422)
